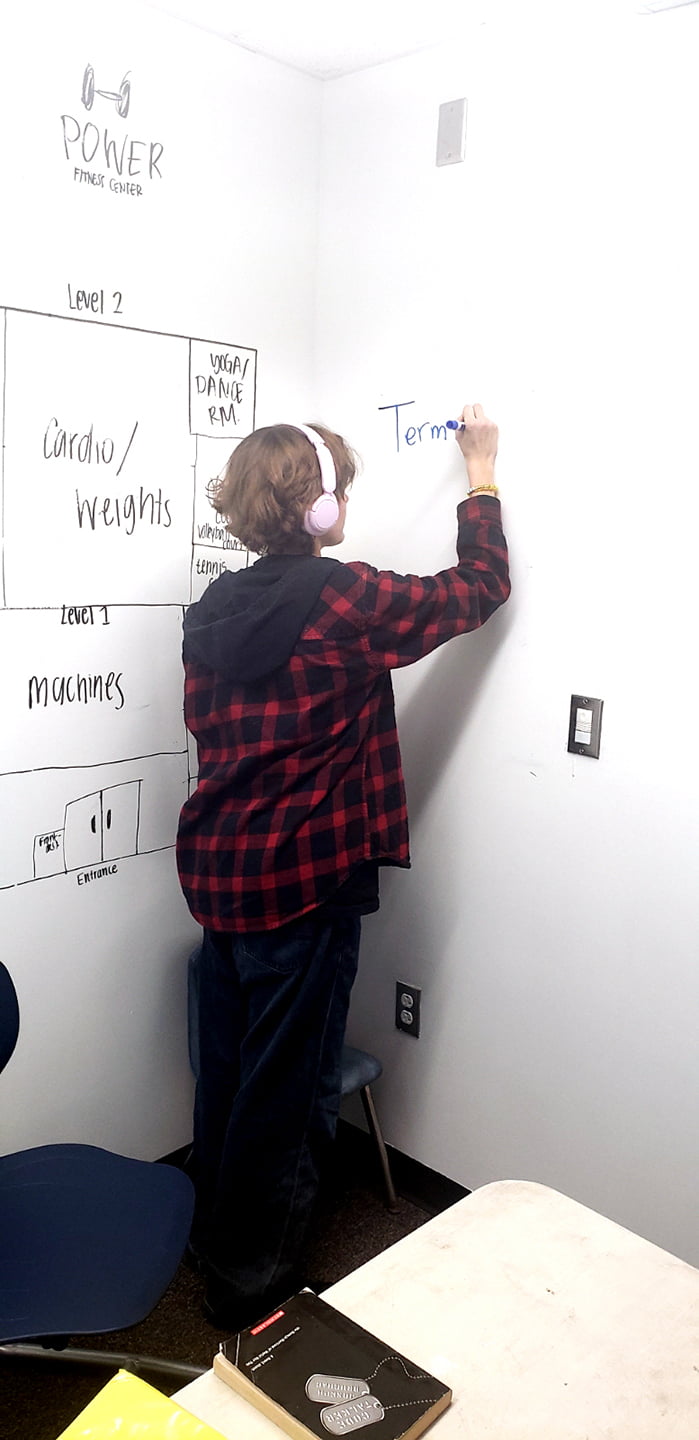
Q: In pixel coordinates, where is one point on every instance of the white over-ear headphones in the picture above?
(325, 510)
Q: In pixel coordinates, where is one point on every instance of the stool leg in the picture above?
(375, 1129)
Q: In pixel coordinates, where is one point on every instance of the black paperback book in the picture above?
(315, 1372)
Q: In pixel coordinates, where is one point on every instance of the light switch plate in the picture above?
(585, 725)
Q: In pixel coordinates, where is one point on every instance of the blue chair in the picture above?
(359, 1071)
(89, 1240)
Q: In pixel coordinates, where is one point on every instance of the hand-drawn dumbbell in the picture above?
(121, 97)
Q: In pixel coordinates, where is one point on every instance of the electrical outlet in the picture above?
(408, 1008)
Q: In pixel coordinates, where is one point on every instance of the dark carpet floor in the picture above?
(39, 1400)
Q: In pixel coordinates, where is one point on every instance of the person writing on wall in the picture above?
(299, 802)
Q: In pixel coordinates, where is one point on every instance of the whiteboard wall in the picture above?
(148, 318)
(552, 912)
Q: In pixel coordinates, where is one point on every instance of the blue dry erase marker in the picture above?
(456, 425)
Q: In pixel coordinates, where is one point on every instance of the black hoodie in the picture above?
(247, 623)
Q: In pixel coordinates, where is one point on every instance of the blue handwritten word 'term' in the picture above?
(414, 433)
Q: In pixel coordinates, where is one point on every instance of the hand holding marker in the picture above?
(477, 438)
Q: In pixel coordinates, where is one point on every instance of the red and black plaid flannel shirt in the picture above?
(300, 776)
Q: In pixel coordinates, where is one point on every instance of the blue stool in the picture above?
(359, 1070)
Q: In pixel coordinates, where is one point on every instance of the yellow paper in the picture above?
(130, 1409)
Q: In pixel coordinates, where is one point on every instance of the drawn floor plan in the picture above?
(107, 534)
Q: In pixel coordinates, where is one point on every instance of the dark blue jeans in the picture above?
(272, 1015)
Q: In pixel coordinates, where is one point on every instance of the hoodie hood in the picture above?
(247, 622)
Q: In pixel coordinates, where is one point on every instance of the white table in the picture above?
(548, 1321)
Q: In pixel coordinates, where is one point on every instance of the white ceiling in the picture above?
(325, 39)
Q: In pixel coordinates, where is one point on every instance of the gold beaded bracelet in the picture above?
(484, 490)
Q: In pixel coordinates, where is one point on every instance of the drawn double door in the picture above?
(102, 826)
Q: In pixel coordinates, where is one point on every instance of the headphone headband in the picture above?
(325, 510)
(328, 474)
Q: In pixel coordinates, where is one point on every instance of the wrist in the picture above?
(480, 472)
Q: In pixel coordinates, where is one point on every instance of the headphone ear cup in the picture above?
(322, 515)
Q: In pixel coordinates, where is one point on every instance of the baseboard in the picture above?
(414, 1181)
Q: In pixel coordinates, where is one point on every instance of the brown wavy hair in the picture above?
(270, 481)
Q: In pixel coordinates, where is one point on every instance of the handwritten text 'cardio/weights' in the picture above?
(223, 385)
(87, 448)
